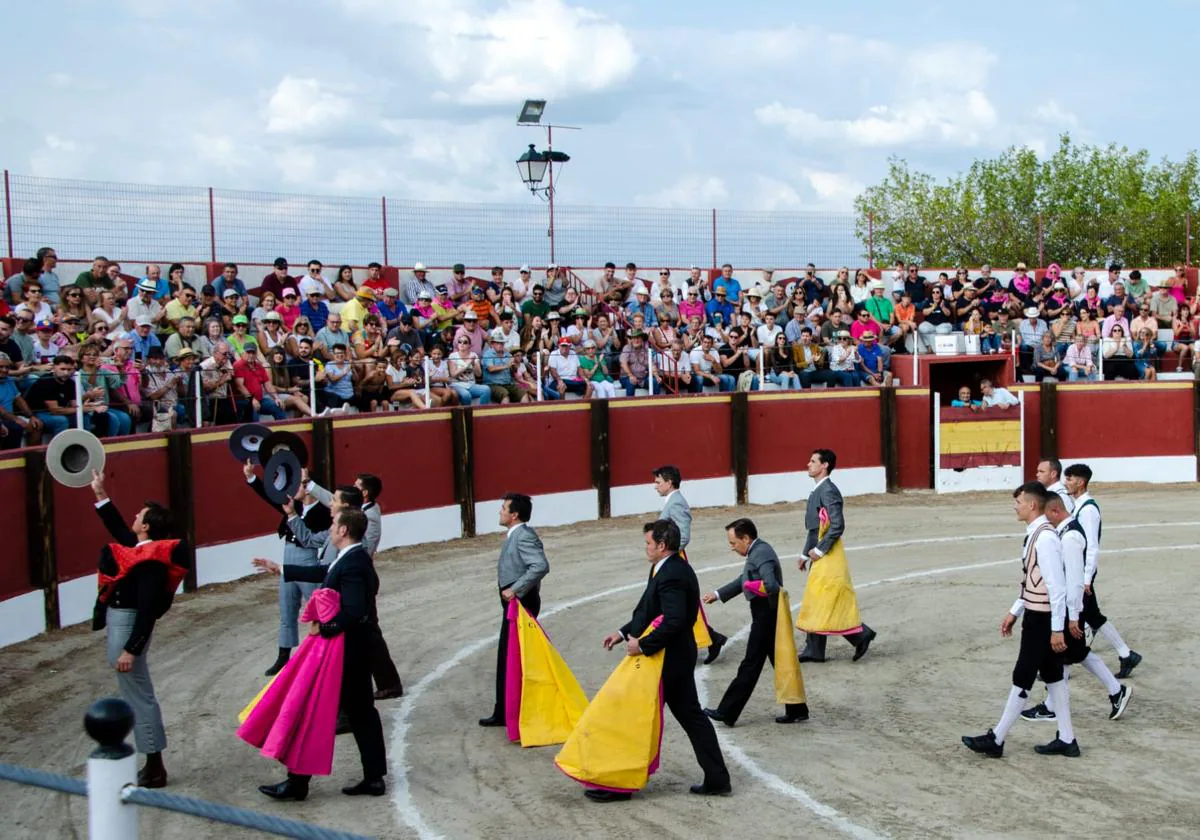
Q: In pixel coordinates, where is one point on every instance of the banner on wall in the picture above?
(978, 449)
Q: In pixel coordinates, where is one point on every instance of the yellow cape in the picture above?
(245, 713)
(789, 683)
(615, 745)
(552, 701)
(829, 604)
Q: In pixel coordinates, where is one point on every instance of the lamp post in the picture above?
(534, 166)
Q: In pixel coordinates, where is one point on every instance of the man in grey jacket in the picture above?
(520, 570)
(760, 582)
(675, 508)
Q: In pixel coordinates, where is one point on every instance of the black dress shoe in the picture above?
(718, 716)
(288, 791)
(804, 657)
(711, 790)
(149, 778)
(794, 716)
(984, 744)
(280, 661)
(607, 795)
(396, 690)
(367, 787)
(492, 721)
(714, 650)
(343, 724)
(864, 642)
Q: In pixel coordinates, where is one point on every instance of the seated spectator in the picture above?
(906, 320)
(1046, 360)
(779, 364)
(1089, 328)
(144, 306)
(229, 281)
(240, 336)
(161, 391)
(355, 312)
(736, 360)
(1164, 305)
(316, 310)
(917, 286)
(277, 279)
(182, 305)
(374, 281)
(563, 367)
(496, 365)
(507, 304)
(47, 345)
(730, 284)
(391, 310)
(674, 369)
(471, 330)
(267, 303)
(811, 285)
(692, 306)
(635, 364)
(304, 369)
(1185, 327)
(74, 305)
(91, 281)
(937, 318)
(839, 298)
(233, 305)
(213, 335)
(289, 310)
(1178, 285)
(577, 331)
(330, 335)
(216, 374)
(256, 393)
(810, 363)
(524, 376)
(1145, 355)
(844, 359)
(1118, 356)
(864, 323)
(406, 381)
(964, 400)
(1078, 360)
(339, 381)
(1115, 318)
(512, 335)
(537, 338)
(315, 281)
(478, 304)
(52, 397)
(1063, 330)
(706, 366)
(17, 419)
(535, 304)
(1031, 331)
(372, 390)
(993, 397)
(465, 371)
(872, 366)
(1119, 297)
(369, 341)
(440, 390)
(883, 311)
(102, 402)
(1057, 301)
(1136, 287)
(595, 373)
(1022, 284)
(129, 372)
(209, 306)
(107, 310)
(33, 303)
(720, 311)
(14, 287)
(641, 306)
(185, 336)
(827, 335)
(290, 395)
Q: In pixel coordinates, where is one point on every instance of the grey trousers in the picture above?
(293, 595)
(135, 685)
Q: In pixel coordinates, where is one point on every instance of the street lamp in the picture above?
(533, 165)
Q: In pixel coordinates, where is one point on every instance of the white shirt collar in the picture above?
(514, 527)
(1081, 498)
(342, 554)
(658, 565)
(819, 483)
(667, 498)
(1035, 524)
(1056, 486)
(751, 548)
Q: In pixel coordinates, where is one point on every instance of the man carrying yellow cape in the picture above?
(543, 701)
(614, 749)
(829, 607)
(771, 636)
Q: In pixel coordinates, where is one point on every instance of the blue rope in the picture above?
(42, 779)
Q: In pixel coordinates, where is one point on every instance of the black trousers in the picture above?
(383, 670)
(532, 602)
(1035, 657)
(1091, 614)
(1077, 649)
(679, 693)
(760, 648)
(358, 704)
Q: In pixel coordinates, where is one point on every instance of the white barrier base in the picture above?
(1161, 469)
(773, 488)
(549, 509)
(413, 527)
(978, 478)
(22, 617)
(702, 492)
(76, 600)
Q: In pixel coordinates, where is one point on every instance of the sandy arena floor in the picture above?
(880, 758)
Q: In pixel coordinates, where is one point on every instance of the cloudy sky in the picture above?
(753, 105)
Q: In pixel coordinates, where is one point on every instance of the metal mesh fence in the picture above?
(788, 239)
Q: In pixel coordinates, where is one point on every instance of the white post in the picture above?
(538, 353)
(312, 387)
(199, 399)
(916, 353)
(649, 370)
(1021, 398)
(79, 398)
(937, 442)
(428, 368)
(761, 369)
(110, 768)
(1014, 340)
(1100, 360)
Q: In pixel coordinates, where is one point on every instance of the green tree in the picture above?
(1082, 205)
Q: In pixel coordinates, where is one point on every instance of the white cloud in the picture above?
(1051, 113)
(525, 49)
(836, 190)
(691, 191)
(298, 105)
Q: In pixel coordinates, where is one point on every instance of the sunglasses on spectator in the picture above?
(25, 320)
(462, 341)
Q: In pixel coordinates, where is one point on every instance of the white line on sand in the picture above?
(398, 759)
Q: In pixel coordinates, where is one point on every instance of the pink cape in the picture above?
(296, 719)
(513, 677)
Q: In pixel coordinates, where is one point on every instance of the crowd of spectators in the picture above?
(152, 352)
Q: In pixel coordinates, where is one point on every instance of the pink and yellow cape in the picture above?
(542, 699)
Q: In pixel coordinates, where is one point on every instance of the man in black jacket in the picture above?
(352, 575)
(672, 592)
(138, 576)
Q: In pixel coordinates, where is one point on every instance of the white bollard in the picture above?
(199, 399)
(428, 368)
(649, 371)
(79, 398)
(761, 368)
(538, 365)
(916, 363)
(110, 768)
(312, 387)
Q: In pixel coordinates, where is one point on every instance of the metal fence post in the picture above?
(1041, 241)
(212, 226)
(8, 214)
(870, 240)
(110, 768)
(383, 208)
(1187, 232)
(714, 237)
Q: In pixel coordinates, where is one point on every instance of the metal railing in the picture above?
(114, 799)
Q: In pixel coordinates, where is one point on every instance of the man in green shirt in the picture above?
(94, 279)
(536, 304)
(883, 311)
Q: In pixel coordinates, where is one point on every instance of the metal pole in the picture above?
(428, 367)
(761, 369)
(79, 398)
(383, 205)
(550, 191)
(916, 353)
(1013, 343)
(1100, 361)
(937, 442)
(870, 240)
(714, 237)
(1041, 241)
(110, 768)
(649, 370)
(538, 365)
(199, 399)
(1187, 231)
(8, 214)
(212, 226)
(1021, 397)
(312, 386)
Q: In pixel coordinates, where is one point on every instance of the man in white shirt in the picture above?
(768, 330)
(1074, 547)
(315, 283)
(1078, 479)
(1049, 472)
(564, 367)
(994, 397)
(1079, 362)
(1043, 603)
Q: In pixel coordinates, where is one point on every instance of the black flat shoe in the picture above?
(280, 661)
(706, 790)
(1058, 747)
(860, 650)
(984, 744)
(714, 650)
(607, 795)
(716, 715)
(794, 717)
(390, 693)
(805, 657)
(1128, 663)
(492, 721)
(367, 787)
(343, 725)
(285, 791)
(147, 778)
